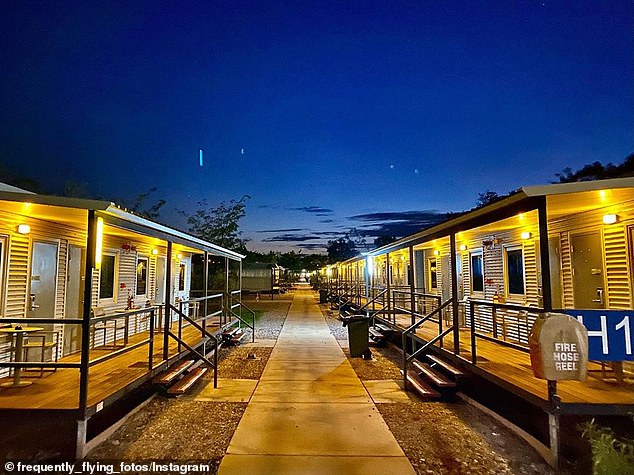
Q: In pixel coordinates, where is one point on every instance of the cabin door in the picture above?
(74, 298)
(159, 296)
(43, 282)
(587, 271)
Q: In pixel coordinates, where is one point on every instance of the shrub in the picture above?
(610, 455)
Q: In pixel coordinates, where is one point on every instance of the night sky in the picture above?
(330, 114)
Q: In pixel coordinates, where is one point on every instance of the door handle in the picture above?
(600, 294)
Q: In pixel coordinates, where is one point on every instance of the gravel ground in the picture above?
(448, 438)
(174, 430)
(234, 363)
(336, 327)
(274, 312)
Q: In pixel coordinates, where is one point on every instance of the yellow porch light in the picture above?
(526, 235)
(179, 256)
(602, 195)
(98, 243)
(24, 228)
(436, 252)
(463, 247)
(154, 252)
(610, 218)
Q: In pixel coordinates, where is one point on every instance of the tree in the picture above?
(219, 225)
(598, 171)
(487, 198)
(341, 249)
(141, 208)
(384, 240)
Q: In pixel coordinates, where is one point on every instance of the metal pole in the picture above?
(91, 242)
(168, 299)
(404, 343)
(151, 345)
(474, 357)
(544, 254)
(228, 296)
(206, 309)
(553, 422)
(412, 286)
(388, 285)
(454, 295)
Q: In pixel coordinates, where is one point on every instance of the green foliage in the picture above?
(384, 240)
(140, 206)
(598, 171)
(219, 225)
(487, 198)
(610, 455)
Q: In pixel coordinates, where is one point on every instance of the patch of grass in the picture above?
(248, 316)
(610, 455)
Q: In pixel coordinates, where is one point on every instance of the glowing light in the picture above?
(369, 265)
(154, 252)
(179, 256)
(98, 243)
(328, 271)
(24, 228)
(201, 157)
(602, 195)
(436, 252)
(463, 247)
(521, 216)
(610, 218)
(526, 235)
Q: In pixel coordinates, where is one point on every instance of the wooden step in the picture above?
(376, 335)
(230, 332)
(421, 387)
(237, 337)
(446, 366)
(187, 381)
(172, 373)
(383, 328)
(438, 379)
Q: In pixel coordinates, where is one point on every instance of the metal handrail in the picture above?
(180, 341)
(239, 317)
(494, 305)
(441, 334)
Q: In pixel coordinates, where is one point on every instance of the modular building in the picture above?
(95, 302)
(474, 285)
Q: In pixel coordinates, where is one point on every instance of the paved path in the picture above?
(310, 414)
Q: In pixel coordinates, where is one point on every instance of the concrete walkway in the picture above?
(309, 413)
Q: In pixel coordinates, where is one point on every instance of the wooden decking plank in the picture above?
(172, 373)
(187, 381)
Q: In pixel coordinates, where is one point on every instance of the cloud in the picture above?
(397, 224)
(327, 221)
(318, 210)
(289, 230)
(311, 246)
(292, 238)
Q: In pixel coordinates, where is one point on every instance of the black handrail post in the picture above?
(474, 358)
(216, 348)
(168, 300)
(404, 343)
(206, 257)
(454, 295)
(91, 244)
(180, 323)
(151, 344)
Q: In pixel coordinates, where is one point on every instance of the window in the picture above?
(477, 272)
(107, 277)
(433, 276)
(141, 276)
(515, 271)
(181, 277)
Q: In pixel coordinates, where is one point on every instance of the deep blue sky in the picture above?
(343, 108)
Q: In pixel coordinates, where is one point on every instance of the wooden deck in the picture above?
(60, 389)
(513, 367)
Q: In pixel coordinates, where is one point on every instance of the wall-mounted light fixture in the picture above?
(154, 252)
(98, 243)
(463, 247)
(24, 228)
(610, 218)
(526, 235)
(179, 256)
(436, 252)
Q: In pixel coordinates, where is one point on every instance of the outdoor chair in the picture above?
(45, 342)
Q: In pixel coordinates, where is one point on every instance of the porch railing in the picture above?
(236, 303)
(409, 330)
